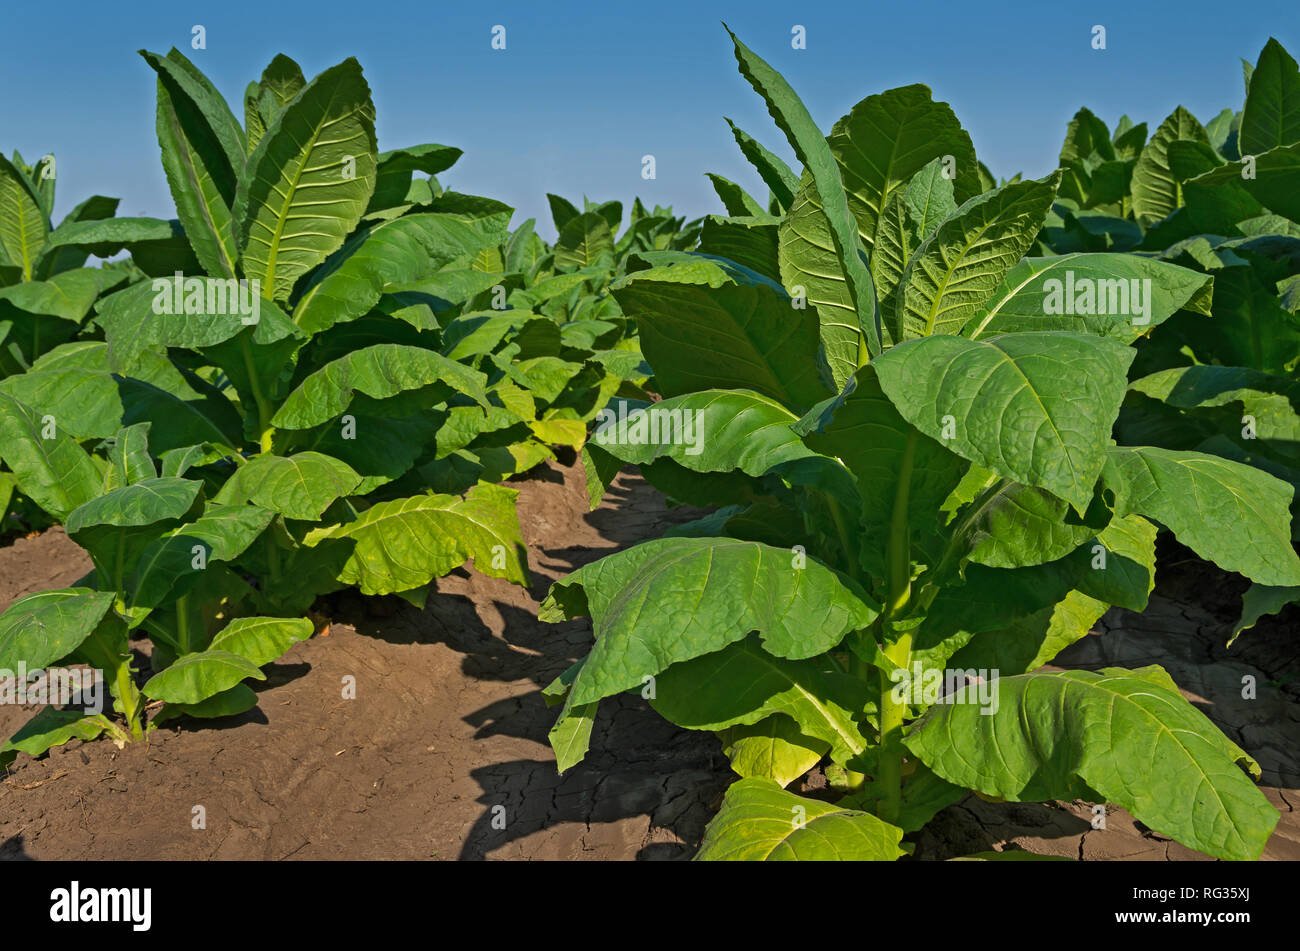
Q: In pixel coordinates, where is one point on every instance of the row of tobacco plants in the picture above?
(940, 421)
(315, 378)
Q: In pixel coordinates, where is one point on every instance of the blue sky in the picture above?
(584, 90)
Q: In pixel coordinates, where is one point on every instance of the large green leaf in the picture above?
(675, 599)
(378, 372)
(405, 543)
(1033, 407)
(55, 472)
(761, 822)
(957, 268)
(394, 252)
(743, 684)
(731, 429)
(891, 461)
(1128, 735)
(1274, 180)
(1271, 115)
(116, 526)
(1156, 190)
(297, 203)
(585, 241)
(261, 639)
(813, 151)
(300, 486)
(724, 335)
(41, 629)
(886, 139)
(67, 295)
(1111, 295)
(195, 677)
(1229, 513)
(169, 567)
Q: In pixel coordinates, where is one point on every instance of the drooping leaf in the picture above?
(1129, 735)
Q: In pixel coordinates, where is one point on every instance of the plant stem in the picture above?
(889, 770)
(264, 414)
(183, 624)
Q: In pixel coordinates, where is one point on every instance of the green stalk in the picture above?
(264, 413)
(889, 771)
(898, 567)
(183, 624)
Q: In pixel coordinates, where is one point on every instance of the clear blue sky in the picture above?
(583, 90)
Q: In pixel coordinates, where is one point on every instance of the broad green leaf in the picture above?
(1273, 180)
(1231, 514)
(1033, 407)
(1272, 402)
(261, 639)
(761, 822)
(68, 295)
(158, 247)
(50, 467)
(708, 431)
(812, 150)
(394, 252)
(751, 241)
(196, 677)
(726, 336)
(405, 543)
(308, 181)
(1124, 734)
(1032, 641)
(1019, 525)
(42, 629)
(1271, 116)
(116, 527)
(773, 748)
(378, 372)
(562, 211)
(170, 566)
(51, 727)
(393, 182)
(570, 737)
(1156, 191)
(281, 82)
(956, 270)
(1111, 295)
(300, 486)
(888, 138)
(743, 684)
(666, 601)
(888, 458)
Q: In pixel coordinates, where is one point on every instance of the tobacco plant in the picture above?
(303, 387)
(909, 439)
